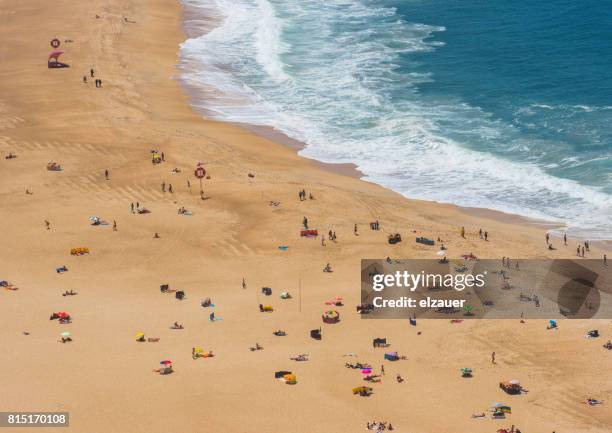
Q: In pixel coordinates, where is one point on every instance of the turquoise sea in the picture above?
(501, 105)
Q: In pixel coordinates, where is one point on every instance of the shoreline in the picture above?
(198, 92)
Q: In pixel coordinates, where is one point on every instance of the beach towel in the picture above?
(425, 241)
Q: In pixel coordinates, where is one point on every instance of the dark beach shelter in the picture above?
(53, 60)
(282, 373)
(315, 333)
(266, 291)
(377, 342)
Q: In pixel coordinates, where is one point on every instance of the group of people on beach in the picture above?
(302, 195)
(97, 81)
(379, 426)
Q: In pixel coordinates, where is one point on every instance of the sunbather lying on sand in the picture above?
(176, 325)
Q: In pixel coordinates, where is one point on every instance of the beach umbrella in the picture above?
(55, 54)
(165, 362)
(65, 334)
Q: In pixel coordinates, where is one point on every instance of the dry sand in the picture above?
(104, 377)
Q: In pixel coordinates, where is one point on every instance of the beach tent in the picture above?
(285, 295)
(156, 158)
(53, 60)
(315, 333)
(391, 356)
(281, 374)
(266, 291)
(140, 337)
(379, 342)
(331, 316)
(394, 238)
(53, 166)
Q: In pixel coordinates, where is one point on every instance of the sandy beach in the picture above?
(104, 377)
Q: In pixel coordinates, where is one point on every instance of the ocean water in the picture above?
(501, 105)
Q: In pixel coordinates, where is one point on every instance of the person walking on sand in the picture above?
(355, 230)
(188, 184)
(170, 188)
(106, 174)
(578, 250)
(244, 286)
(583, 252)
(480, 233)
(85, 79)
(547, 238)
(605, 260)
(163, 185)
(91, 71)
(114, 225)
(486, 234)
(132, 207)
(463, 232)
(586, 245)
(163, 157)
(48, 225)
(565, 239)
(382, 370)
(322, 240)
(493, 358)
(305, 223)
